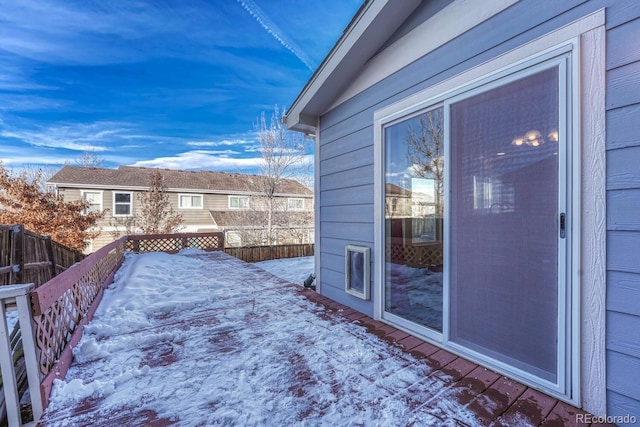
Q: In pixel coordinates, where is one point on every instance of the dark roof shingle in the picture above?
(240, 218)
(137, 177)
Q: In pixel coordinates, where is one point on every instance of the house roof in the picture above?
(363, 56)
(236, 219)
(373, 24)
(129, 177)
(397, 190)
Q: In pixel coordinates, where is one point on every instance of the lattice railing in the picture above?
(172, 243)
(422, 255)
(395, 253)
(64, 304)
(56, 324)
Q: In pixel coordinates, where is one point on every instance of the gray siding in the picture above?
(623, 207)
(345, 153)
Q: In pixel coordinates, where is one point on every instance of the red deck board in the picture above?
(458, 368)
(410, 342)
(494, 399)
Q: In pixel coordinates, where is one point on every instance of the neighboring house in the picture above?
(208, 201)
(536, 104)
(294, 225)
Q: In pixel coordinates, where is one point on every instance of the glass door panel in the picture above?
(504, 223)
(414, 206)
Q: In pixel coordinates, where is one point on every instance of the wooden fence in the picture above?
(27, 257)
(267, 253)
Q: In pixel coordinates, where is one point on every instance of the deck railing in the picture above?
(18, 354)
(172, 243)
(53, 316)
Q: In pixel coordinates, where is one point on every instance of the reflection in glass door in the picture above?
(504, 223)
(414, 207)
(489, 281)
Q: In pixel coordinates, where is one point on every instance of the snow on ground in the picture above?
(416, 294)
(294, 270)
(12, 318)
(204, 339)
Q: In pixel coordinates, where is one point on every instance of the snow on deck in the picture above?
(199, 339)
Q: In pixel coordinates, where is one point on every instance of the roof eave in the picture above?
(373, 24)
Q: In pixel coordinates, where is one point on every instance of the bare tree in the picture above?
(299, 227)
(38, 175)
(89, 158)
(155, 214)
(284, 157)
(41, 174)
(426, 152)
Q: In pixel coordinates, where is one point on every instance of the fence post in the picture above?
(25, 317)
(19, 294)
(10, 386)
(18, 252)
(50, 254)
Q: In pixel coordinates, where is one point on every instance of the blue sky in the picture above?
(160, 83)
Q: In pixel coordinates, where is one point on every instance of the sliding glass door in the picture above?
(504, 223)
(475, 221)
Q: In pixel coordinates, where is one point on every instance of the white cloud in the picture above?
(276, 32)
(74, 136)
(223, 143)
(14, 78)
(63, 32)
(202, 160)
(17, 157)
(25, 102)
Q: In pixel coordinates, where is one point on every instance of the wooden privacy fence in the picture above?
(53, 315)
(27, 257)
(267, 253)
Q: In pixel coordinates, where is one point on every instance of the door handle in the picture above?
(563, 225)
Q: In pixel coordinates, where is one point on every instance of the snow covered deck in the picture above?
(199, 339)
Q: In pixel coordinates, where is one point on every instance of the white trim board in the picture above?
(593, 217)
(422, 40)
(508, 60)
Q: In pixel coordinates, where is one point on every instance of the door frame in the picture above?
(585, 359)
(565, 330)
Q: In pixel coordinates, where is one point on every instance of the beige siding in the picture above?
(216, 202)
(194, 219)
(102, 240)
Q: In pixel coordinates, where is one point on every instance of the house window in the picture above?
(95, 200)
(238, 202)
(295, 204)
(190, 201)
(122, 204)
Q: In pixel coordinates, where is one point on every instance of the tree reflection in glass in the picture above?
(414, 170)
